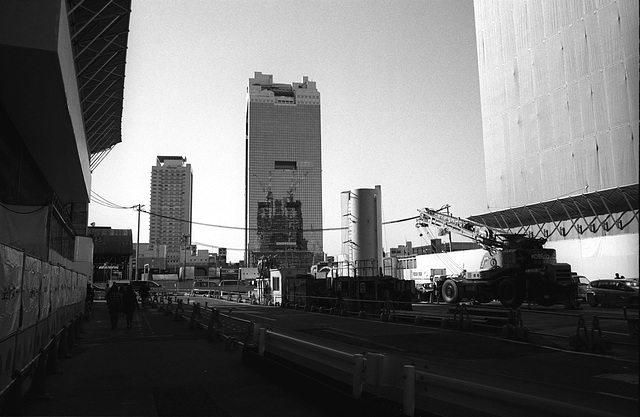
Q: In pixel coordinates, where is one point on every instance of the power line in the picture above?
(97, 198)
(328, 229)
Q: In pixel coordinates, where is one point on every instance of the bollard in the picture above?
(409, 390)
(39, 385)
(358, 370)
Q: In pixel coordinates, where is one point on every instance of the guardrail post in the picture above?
(52, 358)
(13, 402)
(374, 368)
(81, 319)
(63, 346)
(409, 390)
(256, 332)
(39, 384)
(195, 313)
(358, 370)
(71, 327)
(262, 339)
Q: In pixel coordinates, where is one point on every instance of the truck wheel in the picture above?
(450, 291)
(510, 295)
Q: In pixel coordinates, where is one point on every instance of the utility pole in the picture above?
(135, 271)
(185, 239)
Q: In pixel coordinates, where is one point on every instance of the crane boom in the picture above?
(489, 238)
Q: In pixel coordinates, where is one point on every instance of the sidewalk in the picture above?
(162, 368)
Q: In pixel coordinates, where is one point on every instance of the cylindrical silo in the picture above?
(364, 220)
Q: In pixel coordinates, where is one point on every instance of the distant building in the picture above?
(283, 172)
(171, 206)
(112, 250)
(155, 256)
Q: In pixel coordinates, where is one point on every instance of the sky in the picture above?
(400, 107)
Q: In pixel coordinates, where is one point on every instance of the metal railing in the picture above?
(391, 377)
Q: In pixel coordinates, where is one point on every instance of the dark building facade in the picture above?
(283, 172)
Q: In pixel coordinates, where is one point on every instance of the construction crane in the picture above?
(517, 267)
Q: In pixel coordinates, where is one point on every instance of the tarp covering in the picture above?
(25, 227)
(600, 257)
(11, 265)
(31, 286)
(45, 291)
(559, 97)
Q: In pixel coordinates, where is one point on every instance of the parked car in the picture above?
(613, 292)
(153, 286)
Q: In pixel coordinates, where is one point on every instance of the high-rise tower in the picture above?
(283, 172)
(171, 205)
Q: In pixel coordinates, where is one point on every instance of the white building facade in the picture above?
(559, 97)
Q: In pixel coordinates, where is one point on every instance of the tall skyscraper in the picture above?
(283, 172)
(171, 206)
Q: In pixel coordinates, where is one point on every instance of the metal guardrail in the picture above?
(387, 375)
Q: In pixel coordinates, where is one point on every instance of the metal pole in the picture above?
(135, 271)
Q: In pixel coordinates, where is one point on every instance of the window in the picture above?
(286, 165)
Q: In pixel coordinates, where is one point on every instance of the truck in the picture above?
(515, 269)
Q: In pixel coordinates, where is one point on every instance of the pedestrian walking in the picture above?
(144, 293)
(114, 304)
(129, 304)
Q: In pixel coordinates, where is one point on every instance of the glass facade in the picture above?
(284, 172)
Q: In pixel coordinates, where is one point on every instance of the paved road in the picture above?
(596, 382)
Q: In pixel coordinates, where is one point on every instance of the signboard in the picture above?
(228, 273)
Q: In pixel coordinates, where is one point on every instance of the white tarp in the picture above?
(557, 76)
(600, 257)
(56, 293)
(45, 291)
(31, 280)
(11, 265)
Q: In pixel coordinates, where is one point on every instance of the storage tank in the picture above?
(362, 230)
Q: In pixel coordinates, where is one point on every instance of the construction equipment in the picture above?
(516, 267)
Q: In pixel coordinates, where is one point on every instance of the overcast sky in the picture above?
(399, 101)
